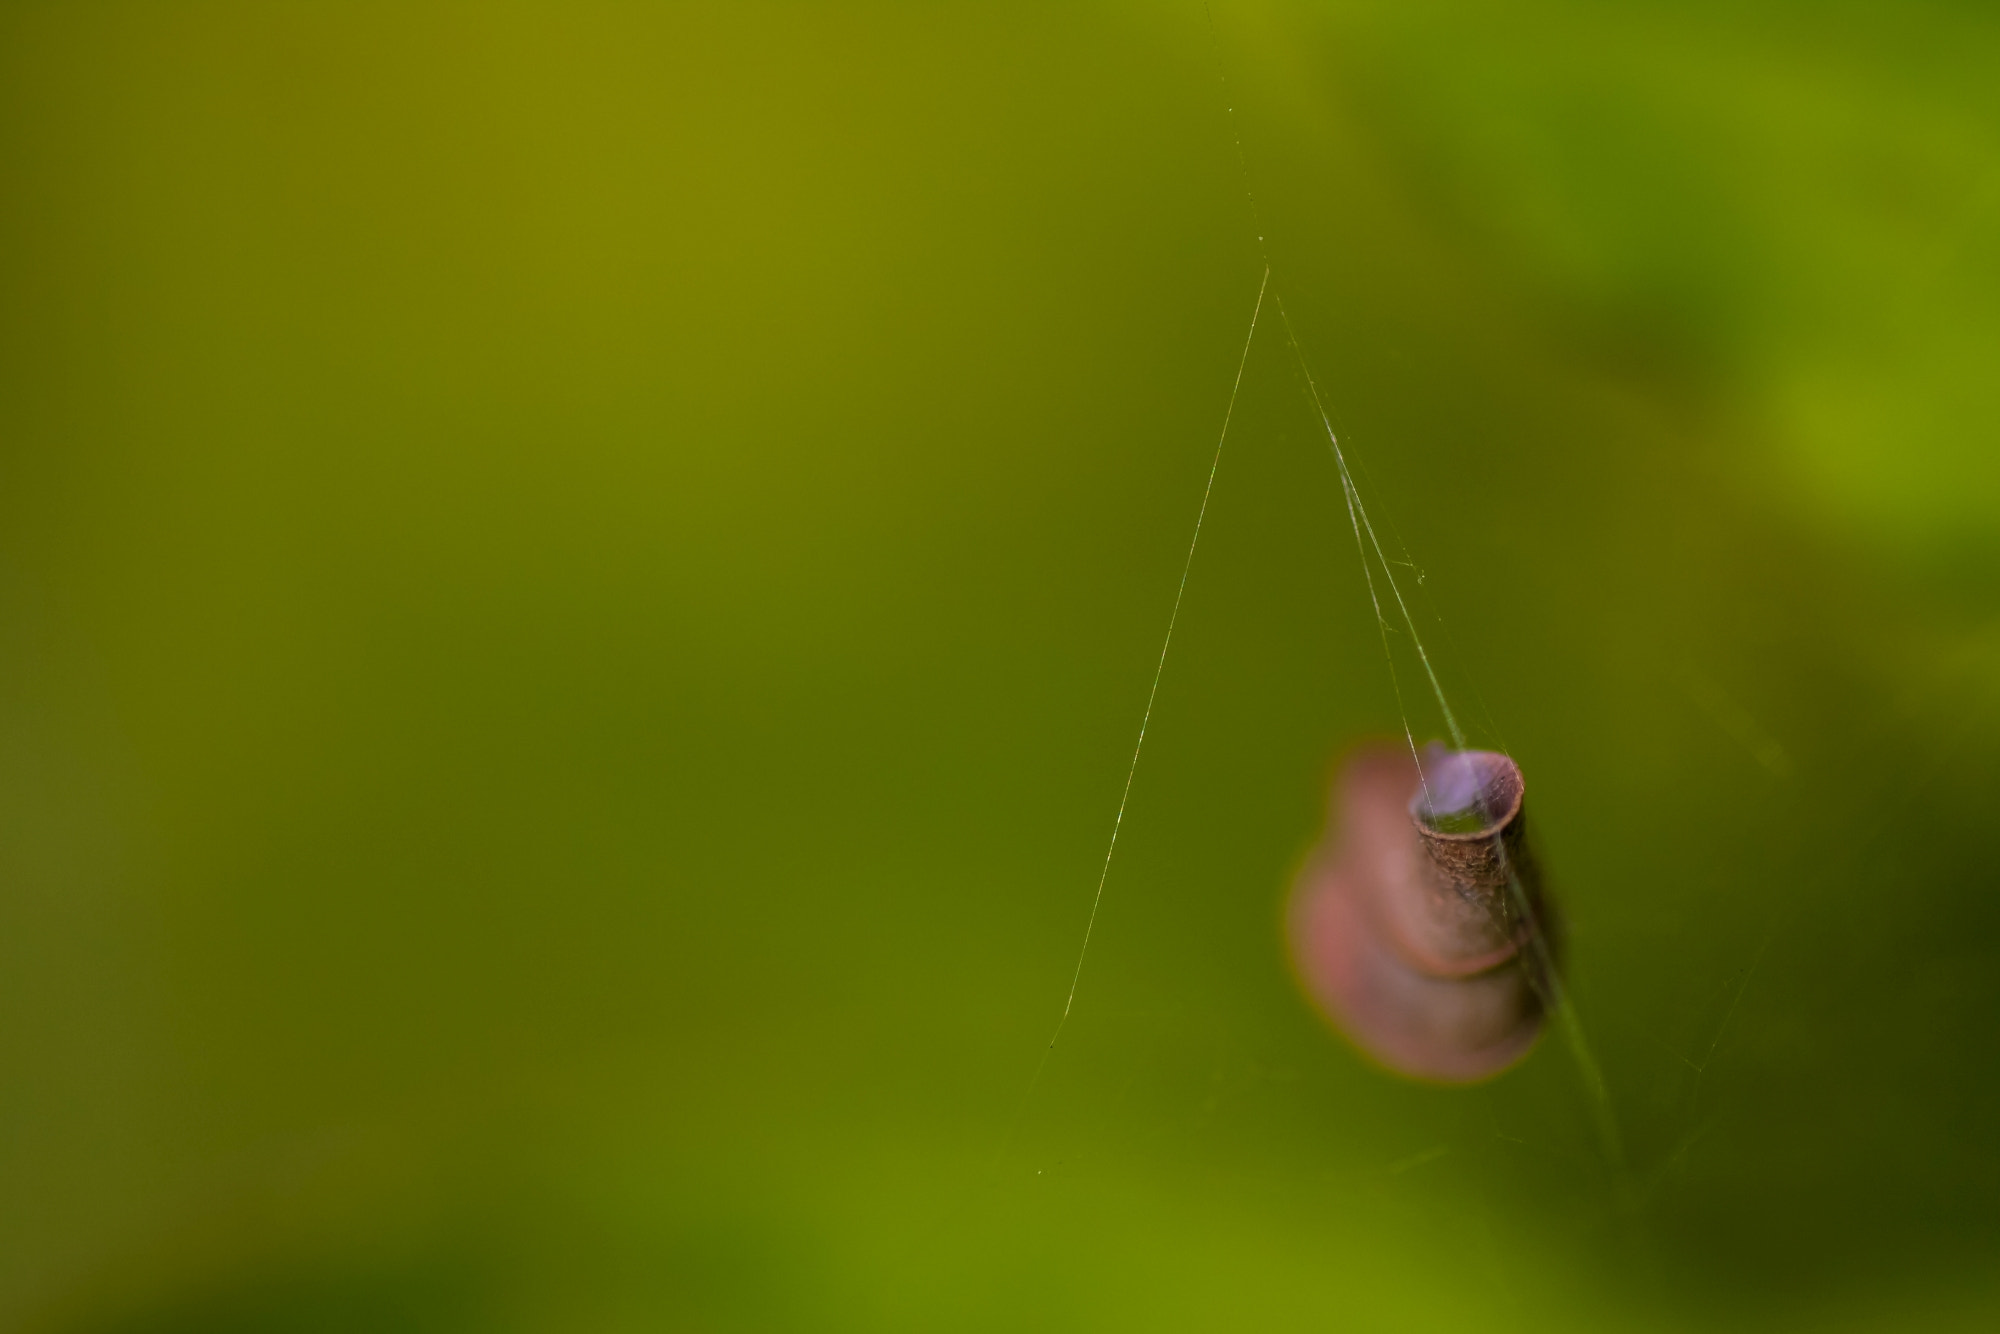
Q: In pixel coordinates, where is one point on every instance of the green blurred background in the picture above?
(577, 583)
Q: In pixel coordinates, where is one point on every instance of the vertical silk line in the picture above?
(1357, 514)
(1160, 667)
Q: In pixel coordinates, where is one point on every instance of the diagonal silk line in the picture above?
(1358, 515)
(1160, 668)
(1145, 720)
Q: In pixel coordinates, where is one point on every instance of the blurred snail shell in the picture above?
(1419, 927)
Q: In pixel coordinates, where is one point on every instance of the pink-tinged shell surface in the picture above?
(1408, 938)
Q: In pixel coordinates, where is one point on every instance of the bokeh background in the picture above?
(577, 583)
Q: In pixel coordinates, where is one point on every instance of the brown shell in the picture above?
(1424, 945)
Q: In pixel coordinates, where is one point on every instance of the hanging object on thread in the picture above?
(1420, 928)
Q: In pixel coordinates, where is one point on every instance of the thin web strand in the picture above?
(1357, 511)
(1160, 668)
(1153, 695)
(1444, 627)
(1356, 516)
(1382, 625)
